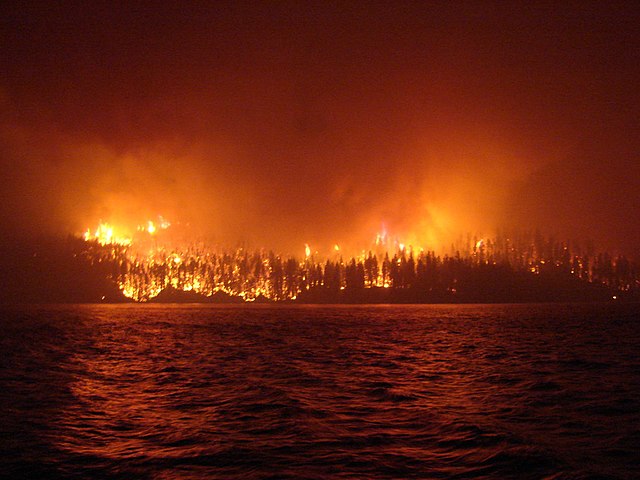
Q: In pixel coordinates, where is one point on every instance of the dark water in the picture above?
(510, 391)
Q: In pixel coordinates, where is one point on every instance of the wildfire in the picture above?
(154, 267)
(144, 268)
(152, 227)
(105, 234)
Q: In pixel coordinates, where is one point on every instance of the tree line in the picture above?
(527, 267)
(498, 269)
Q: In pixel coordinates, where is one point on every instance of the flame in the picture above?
(152, 227)
(164, 224)
(307, 250)
(105, 234)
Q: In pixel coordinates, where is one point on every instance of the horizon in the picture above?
(155, 266)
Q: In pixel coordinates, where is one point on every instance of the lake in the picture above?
(431, 391)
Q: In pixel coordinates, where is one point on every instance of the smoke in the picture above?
(424, 193)
(280, 126)
(338, 181)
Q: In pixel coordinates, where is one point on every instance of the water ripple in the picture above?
(503, 391)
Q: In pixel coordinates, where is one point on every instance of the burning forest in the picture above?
(153, 264)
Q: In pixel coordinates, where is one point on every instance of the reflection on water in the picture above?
(509, 391)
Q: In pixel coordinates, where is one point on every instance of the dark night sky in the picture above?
(285, 123)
